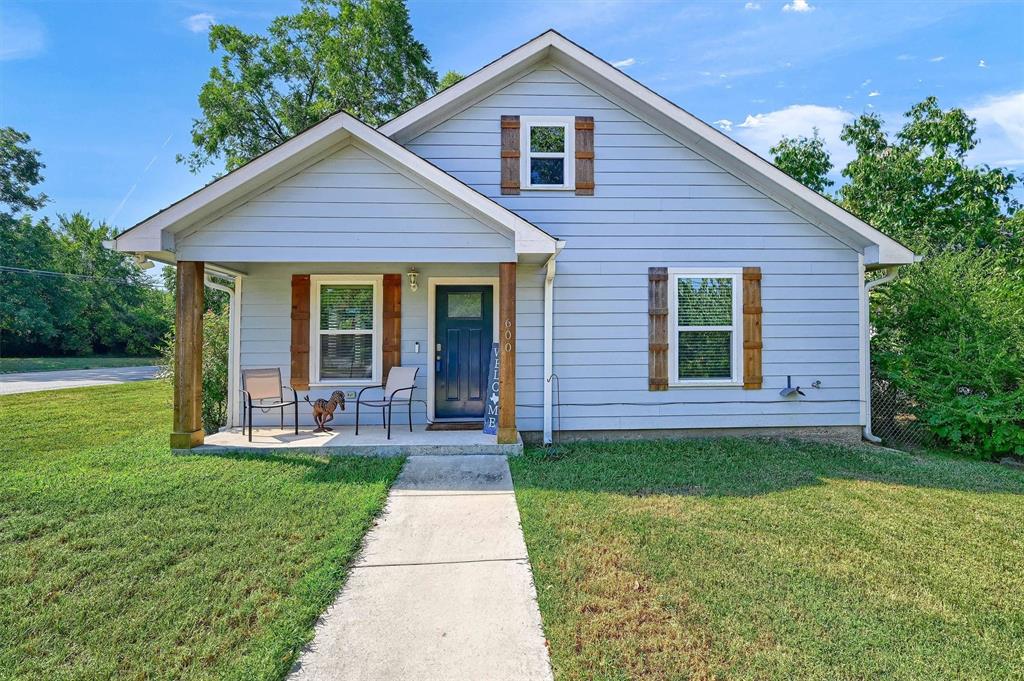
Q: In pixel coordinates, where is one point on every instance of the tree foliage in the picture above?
(63, 292)
(449, 79)
(20, 171)
(805, 159)
(948, 331)
(354, 55)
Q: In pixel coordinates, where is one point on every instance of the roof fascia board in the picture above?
(261, 170)
(467, 92)
(665, 116)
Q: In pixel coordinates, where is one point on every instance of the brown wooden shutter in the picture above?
(584, 156)
(752, 379)
(510, 154)
(392, 333)
(300, 332)
(657, 334)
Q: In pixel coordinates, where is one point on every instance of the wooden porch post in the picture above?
(507, 353)
(188, 353)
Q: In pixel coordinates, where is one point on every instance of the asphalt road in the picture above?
(73, 378)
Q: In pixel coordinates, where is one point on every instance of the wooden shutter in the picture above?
(300, 332)
(584, 156)
(752, 379)
(657, 334)
(392, 332)
(510, 154)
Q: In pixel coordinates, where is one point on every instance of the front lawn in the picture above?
(738, 559)
(17, 365)
(120, 560)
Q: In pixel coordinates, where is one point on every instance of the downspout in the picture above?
(234, 303)
(865, 348)
(549, 291)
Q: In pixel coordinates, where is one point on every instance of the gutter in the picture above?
(865, 348)
(549, 291)
(234, 339)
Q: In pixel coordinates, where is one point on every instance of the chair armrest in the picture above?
(369, 387)
(295, 395)
(246, 395)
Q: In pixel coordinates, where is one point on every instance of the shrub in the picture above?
(950, 332)
(216, 327)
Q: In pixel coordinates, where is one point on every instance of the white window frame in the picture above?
(569, 154)
(734, 273)
(316, 281)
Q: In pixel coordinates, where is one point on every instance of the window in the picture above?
(548, 153)
(346, 314)
(705, 338)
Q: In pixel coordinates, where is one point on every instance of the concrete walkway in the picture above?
(442, 589)
(72, 378)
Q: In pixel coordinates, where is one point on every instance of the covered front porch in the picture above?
(371, 441)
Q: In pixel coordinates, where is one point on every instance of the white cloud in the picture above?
(905, 57)
(623, 63)
(797, 6)
(763, 130)
(724, 124)
(866, 83)
(982, 64)
(1000, 130)
(937, 59)
(752, 6)
(874, 93)
(22, 35)
(200, 23)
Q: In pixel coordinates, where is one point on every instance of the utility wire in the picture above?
(49, 273)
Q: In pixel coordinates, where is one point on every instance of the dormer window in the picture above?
(548, 153)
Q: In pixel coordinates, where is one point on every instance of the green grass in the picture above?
(17, 365)
(749, 559)
(120, 560)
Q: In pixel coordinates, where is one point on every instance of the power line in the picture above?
(50, 273)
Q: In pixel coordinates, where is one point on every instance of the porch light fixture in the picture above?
(414, 279)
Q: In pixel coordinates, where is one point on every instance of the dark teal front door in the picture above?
(463, 329)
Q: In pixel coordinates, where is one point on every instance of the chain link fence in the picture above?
(892, 417)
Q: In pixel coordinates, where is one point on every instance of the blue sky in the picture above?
(108, 89)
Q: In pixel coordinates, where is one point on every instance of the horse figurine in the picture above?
(323, 410)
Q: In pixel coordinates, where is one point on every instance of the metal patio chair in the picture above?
(260, 385)
(400, 379)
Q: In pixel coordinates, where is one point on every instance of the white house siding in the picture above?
(659, 203)
(349, 207)
(265, 328)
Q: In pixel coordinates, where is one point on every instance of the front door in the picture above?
(463, 334)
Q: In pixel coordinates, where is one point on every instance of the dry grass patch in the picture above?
(748, 559)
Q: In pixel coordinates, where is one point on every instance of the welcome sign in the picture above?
(491, 407)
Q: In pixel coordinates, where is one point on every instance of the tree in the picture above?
(355, 55)
(449, 79)
(918, 188)
(805, 159)
(19, 172)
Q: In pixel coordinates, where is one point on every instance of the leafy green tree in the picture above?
(917, 186)
(449, 79)
(356, 55)
(20, 170)
(805, 159)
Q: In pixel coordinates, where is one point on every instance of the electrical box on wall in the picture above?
(350, 394)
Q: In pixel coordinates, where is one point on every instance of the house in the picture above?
(641, 272)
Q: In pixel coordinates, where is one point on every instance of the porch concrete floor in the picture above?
(442, 589)
(371, 441)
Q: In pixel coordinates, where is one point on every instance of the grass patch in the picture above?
(120, 560)
(753, 559)
(17, 365)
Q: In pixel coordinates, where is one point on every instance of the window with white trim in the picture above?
(547, 150)
(706, 337)
(346, 328)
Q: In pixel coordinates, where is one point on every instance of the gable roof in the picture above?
(156, 233)
(654, 109)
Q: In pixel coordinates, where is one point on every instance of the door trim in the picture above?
(432, 284)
